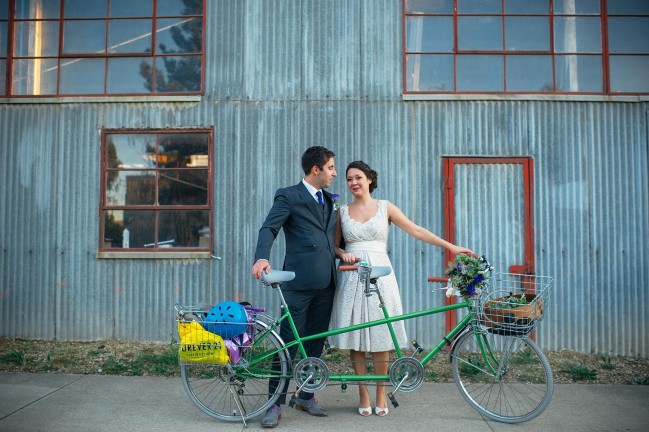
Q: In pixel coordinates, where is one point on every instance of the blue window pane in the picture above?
(179, 36)
(180, 150)
(480, 33)
(4, 9)
(34, 77)
(480, 73)
(4, 37)
(527, 7)
(527, 33)
(628, 35)
(85, 9)
(577, 35)
(627, 7)
(182, 187)
(36, 39)
(576, 7)
(578, 74)
(82, 76)
(529, 73)
(629, 74)
(429, 34)
(131, 151)
(140, 224)
(479, 6)
(429, 73)
(427, 6)
(179, 7)
(36, 9)
(184, 227)
(130, 8)
(129, 75)
(178, 74)
(129, 36)
(84, 37)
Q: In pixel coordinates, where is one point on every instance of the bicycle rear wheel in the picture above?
(240, 391)
(522, 385)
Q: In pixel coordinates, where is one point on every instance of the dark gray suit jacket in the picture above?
(309, 234)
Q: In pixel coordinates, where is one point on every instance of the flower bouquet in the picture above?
(467, 275)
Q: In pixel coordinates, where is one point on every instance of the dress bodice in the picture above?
(371, 235)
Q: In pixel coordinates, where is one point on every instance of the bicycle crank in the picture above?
(311, 374)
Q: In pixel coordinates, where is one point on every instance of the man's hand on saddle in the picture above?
(262, 265)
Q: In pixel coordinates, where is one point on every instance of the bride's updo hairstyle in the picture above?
(371, 175)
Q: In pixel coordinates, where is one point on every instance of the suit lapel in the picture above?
(329, 208)
(311, 203)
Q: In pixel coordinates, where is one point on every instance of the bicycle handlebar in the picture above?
(347, 267)
(439, 279)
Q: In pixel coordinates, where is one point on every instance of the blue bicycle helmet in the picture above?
(226, 319)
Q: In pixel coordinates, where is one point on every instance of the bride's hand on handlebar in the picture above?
(348, 258)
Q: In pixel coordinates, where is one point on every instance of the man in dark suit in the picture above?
(306, 214)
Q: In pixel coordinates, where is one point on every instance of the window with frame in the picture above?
(156, 190)
(526, 46)
(101, 47)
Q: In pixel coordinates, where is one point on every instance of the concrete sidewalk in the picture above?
(70, 403)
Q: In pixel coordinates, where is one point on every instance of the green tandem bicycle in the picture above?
(495, 363)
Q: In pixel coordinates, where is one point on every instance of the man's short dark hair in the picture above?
(315, 156)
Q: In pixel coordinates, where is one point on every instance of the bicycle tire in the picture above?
(237, 392)
(522, 392)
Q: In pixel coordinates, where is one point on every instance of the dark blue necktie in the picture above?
(320, 201)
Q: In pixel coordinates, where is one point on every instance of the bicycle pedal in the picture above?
(292, 402)
(393, 400)
(418, 347)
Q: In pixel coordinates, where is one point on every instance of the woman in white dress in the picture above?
(363, 224)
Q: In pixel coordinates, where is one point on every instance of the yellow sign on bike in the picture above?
(197, 345)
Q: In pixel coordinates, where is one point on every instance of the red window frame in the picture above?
(156, 208)
(155, 54)
(503, 53)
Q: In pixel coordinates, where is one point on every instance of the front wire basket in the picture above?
(514, 303)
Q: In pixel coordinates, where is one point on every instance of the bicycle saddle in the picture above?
(378, 271)
(277, 276)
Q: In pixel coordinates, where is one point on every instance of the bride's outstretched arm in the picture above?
(396, 216)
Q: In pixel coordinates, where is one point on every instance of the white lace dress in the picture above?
(367, 241)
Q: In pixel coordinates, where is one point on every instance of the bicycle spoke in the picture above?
(521, 387)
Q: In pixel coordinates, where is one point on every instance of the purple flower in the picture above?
(334, 198)
(478, 278)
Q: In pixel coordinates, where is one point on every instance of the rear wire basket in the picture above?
(202, 347)
(514, 303)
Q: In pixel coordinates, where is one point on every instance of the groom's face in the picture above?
(326, 175)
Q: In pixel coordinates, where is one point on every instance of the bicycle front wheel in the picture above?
(240, 391)
(504, 378)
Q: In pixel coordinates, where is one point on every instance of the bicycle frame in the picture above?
(387, 320)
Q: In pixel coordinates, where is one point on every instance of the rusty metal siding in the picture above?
(279, 79)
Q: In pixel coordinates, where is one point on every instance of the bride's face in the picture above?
(357, 182)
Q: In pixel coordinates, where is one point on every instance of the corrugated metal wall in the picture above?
(279, 78)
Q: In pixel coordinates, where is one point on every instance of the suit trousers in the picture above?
(311, 310)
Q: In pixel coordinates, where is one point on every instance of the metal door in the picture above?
(488, 208)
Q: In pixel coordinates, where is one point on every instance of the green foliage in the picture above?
(579, 372)
(523, 357)
(606, 362)
(14, 357)
(472, 367)
(509, 302)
